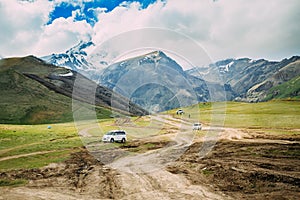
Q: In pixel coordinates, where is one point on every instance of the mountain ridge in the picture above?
(242, 74)
(239, 75)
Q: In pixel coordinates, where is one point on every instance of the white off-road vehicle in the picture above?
(115, 136)
(197, 126)
(179, 112)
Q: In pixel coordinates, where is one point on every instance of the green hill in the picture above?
(34, 92)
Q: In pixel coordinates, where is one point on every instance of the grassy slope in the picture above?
(61, 140)
(26, 101)
(287, 90)
(266, 115)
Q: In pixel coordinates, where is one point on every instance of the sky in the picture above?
(220, 28)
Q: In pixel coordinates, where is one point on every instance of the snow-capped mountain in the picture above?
(74, 58)
(236, 77)
(222, 67)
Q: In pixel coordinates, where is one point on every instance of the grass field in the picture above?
(44, 145)
(57, 143)
(273, 115)
(54, 145)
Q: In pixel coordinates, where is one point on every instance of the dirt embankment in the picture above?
(83, 177)
(80, 177)
(246, 170)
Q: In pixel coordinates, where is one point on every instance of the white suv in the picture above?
(197, 126)
(115, 136)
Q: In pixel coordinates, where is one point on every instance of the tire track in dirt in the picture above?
(162, 184)
(144, 176)
(26, 155)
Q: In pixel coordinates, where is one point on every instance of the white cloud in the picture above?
(256, 29)
(225, 28)
(24, 30)
(231, 28)
(21, 23)
(61, 35)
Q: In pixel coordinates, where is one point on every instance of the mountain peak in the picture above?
(159, 58)
(80, 47)
(156, 53)
(27, 59)
(75, 58)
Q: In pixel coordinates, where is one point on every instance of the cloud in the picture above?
(255, 29)
(231, 28)
(223, 28)
(24, 29)
(61, 35)
(21, 23)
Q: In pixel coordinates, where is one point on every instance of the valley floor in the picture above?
(241, 164)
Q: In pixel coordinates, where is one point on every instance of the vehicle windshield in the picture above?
(109, 133)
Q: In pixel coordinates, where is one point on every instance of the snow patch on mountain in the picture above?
(66, 75)
(252, 61)
(225, 68)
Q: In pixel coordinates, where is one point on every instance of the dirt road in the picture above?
(144, 175)
(238, 164)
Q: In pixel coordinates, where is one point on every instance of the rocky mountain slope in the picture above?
(35, 92)
(251, 80)
(155, 82)
(283, 84)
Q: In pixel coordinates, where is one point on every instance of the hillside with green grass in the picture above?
(287, 90)
(24, 101)
(283, 84)
(33, 92)
(31, 146)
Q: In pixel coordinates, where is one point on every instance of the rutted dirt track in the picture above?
(241, 165)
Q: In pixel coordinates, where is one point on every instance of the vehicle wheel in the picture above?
(123, 140)
(112, 140)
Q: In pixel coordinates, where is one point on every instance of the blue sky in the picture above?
(222, 28)
(87, 9)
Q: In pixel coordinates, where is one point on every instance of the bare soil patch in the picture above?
(246, 170)
(80, 177)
